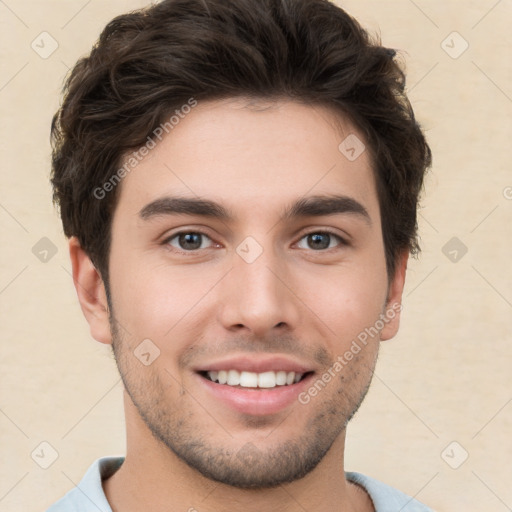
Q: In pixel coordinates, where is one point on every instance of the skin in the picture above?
(295, 300)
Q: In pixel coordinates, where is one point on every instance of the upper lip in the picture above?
(257, 364)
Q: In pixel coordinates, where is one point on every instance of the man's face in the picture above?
(273, 283)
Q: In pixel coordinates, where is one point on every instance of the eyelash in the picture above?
(166, 242)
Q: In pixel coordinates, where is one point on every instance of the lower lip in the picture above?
(256, 401)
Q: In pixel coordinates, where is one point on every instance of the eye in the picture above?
(189, 241)
(321, 240)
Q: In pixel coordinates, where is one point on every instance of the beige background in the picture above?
(445, 378)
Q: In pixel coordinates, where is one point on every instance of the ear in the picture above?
(394, 300)
(91, 292)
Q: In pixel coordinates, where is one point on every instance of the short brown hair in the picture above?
(150, 62)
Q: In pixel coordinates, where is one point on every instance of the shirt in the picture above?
(88, 496)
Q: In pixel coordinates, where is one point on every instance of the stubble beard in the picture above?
(248, 466)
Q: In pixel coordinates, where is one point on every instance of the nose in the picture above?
(258, 297)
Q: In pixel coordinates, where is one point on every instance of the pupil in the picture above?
(190, 241)
(319, 240)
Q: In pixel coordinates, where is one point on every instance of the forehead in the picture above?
(253, 157)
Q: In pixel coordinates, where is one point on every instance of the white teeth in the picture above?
(281, 378)
(267, 380)
(255, 380)
(248, 379)
(222, 377)
(233, 378)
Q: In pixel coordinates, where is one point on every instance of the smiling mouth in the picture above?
(244, 379)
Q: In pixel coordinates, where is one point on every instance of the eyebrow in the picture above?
(317, 206)
(184, 206)
(313, 206)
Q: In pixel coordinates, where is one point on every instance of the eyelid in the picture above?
(344, 239)
(168, 237)
(171, 233)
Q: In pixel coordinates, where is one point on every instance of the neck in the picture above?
(152, 477)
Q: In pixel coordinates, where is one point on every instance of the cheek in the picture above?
(155, 301)
(346, 301)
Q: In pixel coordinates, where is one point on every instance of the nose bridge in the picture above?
(255, 295)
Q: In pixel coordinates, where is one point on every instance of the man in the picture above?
(239, 182)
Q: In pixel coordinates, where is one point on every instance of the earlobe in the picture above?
(394, 300)
(91, 292)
